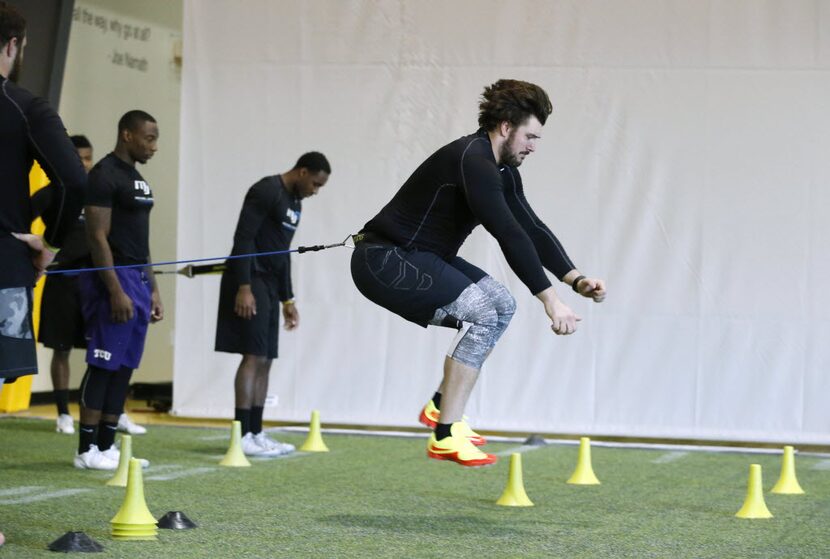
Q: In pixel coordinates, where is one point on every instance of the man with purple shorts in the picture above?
(117, 304)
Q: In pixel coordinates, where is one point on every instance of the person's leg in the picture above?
(93, 393)
(476, 337)
(263, 371)
(453, 439)
(59, 369)
(505, 307)
(246, 389)
(113, 407)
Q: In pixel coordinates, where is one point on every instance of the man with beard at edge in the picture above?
(406, 260)
(30, 130)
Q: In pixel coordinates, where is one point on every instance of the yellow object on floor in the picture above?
(133, 521)
(314, 442)
(514, 494)
(754, 505)
(787, 482)
(584, 472)
(235, 458)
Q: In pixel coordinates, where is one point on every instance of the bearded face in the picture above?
(520, 142)
(17, 65)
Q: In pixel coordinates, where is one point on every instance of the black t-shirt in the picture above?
(118, 185)
(269, 217)
(74, 252)
(30, 130)
(455, 189)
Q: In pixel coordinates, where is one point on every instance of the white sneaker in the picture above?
(270, 444)
(250, 447)
(65, 424)
(126, 425)
(94, 459)
(114, 454)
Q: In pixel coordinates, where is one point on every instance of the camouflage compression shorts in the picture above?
(17, 343)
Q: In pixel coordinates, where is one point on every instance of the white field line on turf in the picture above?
(223, 436)
(163, 468)
(177, 475)
(669, 457)
(42, 496)
(520, 449)
(566, 442)
(19, 490)
(823, 465)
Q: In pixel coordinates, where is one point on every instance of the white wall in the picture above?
(97, 90)
(685, 162)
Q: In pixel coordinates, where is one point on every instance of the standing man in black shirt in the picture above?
(29, 130)
(253, 288)
(406, 256)
(117, 304)
(61, 321)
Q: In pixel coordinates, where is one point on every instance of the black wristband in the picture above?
(576, 283)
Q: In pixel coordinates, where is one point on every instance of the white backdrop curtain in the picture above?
(686, 162)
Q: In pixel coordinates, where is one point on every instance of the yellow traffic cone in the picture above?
(514, 494)
(134, 520)
(754, 505)
(787, 483)
(235, 458)
(121, 474)
(584, 473)
(314, 442)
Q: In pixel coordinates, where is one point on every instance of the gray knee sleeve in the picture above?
(479, 326)
(502, 300)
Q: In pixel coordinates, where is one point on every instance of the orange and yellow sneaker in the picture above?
(458, 448)
(430, 416)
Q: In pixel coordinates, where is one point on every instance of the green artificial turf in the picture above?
(381, 497)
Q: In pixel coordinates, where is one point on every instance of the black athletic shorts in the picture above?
(409, 282)
(260, 334)
(61, 321)
(17, 343)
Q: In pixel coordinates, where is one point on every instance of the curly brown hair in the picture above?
(512, 101)
(12, 24)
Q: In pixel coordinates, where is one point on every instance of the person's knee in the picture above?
(502, 299)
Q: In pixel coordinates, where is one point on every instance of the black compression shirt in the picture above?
(118, 185)
(75, 252)
(30, 130)
(269, 217)
(455, 189)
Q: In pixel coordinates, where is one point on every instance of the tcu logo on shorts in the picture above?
(101, 354)
(143, 187)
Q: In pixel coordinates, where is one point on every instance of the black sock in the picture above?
(106, 434)
(256, 419)
(62, 401)
(88, 435)
(243, 416)
(436, 400)
(442, 430)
